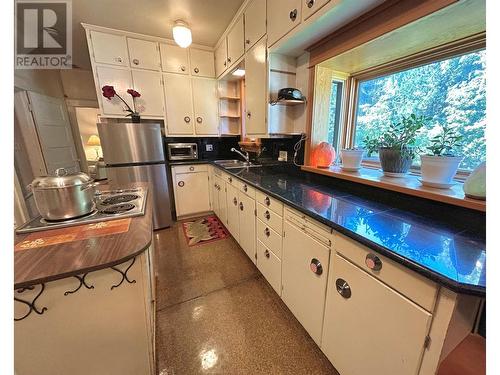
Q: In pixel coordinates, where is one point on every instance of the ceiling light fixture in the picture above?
(238, 72)
(182, 34)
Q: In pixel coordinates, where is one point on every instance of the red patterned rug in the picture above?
(204, 230)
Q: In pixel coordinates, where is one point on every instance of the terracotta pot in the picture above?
(392, 160)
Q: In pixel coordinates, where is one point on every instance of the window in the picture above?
(335, 113)
(451, 91)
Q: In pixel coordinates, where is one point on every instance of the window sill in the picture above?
(408, 185)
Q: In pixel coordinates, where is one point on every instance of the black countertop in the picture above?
(451, 253)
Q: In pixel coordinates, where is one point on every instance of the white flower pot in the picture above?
(351, 159)
(439, 169)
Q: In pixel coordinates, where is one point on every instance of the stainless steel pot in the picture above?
(63, 196)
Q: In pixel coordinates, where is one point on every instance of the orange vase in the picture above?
(323, 155)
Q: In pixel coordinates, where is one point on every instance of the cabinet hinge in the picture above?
(30, 107)
(427, 341)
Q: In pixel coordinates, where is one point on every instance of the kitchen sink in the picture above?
(233, 163)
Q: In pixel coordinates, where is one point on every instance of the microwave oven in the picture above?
(182, 151)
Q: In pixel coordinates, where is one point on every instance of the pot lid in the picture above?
(61, 179)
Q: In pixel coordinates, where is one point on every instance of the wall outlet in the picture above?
(283, 156)
(209, 147)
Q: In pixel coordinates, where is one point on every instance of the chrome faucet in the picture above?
(245, 156)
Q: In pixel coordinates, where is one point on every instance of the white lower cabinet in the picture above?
(189, 184)
(233, 220)
(305, 263)
(270, 266)
(246, 207)
(221, 197)
(370, 328)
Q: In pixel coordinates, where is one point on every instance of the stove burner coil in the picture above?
(119, 199)
(118, 209)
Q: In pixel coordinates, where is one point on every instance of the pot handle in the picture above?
(88, 185)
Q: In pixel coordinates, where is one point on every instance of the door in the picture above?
(174, 59)
(255, 22)
(121, 80)
(143, 54)
(187, 186)
(233, 220)
(309, 7)
(282, 16)
(246, 207)
(256, 89)
(221, 58)
(205, 106)
(235, 42)
(149, 85)
(156, 176)
(304, 277)
(202, 63)
(54, 132)
(179, 104)
(370, 328)
(109, 48)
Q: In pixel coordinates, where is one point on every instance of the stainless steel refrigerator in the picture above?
(134, 153)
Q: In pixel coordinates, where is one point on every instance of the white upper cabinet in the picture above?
(109, 48)
(221, 58)
(149, 85)
(256, 89)
(179, 104)
(202, 63)
(235, 42)
(205, 106)
(309, 7)
(174, 59)
(143, 54)
(282, 16)
(255, 22)
(121, 80)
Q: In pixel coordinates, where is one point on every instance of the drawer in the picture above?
(230, 179)
(246, 189)
(407, 282)
(186, 168)
(270, 266)
(319, 231)
(270, 218)
(269, 202)
(269, 237)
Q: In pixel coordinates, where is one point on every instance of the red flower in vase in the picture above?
(133, 93)
(108, 92)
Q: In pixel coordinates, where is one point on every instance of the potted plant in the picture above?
(396, 145)
(439, 167)
(109, 92)
(351, 158)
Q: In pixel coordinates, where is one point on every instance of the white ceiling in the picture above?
(207, 18)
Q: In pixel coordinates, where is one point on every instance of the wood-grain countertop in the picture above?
(53, 262)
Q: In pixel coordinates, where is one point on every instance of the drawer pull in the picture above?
(230, 179)
(199, 120)
(235, 201)
(183, 68)
(373, 262)
(316, 266)
(196, 70)
(187, 119)
(241, 206)
(245, 188)
(266, 253)
(343, 288)
(180, 183)
(267, 201)
(118, 59)
(135, 61)
(247, 41)
(267, 215)
(293, 15)
(310, 3)
(267, 232)
(191, 168)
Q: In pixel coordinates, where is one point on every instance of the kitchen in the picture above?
(251, 187)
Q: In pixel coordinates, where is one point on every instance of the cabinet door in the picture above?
(374, 329)
(187, 186)
(202, 63)
(222, 201)
(179, 104)
(233, 221)
(174, 59)
(221, 58)
(270, 266)
(215, 195)
(255, 22)
(282, 16)
(246, 207)
(304, 287)
(109, 48)
(256, 89)
(309, 7)
(121, 80)
(149, 85)
(235, 42)
(205, 106)
(143, 54)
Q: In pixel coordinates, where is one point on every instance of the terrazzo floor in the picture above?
(216, 314)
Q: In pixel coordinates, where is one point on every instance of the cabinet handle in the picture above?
(267, 232)
(343, 288)
(247, 41)
(267, 215)
(199, 120)
(191, 169)
(310, 3)
(249, 114)
(293, 15)
(235, 201)
(316, 266)
(266, 253)
(180, 183)
(135, 61)
(241, 206)
(225, 64)
(187, 119)
(228, 59)
(183, 68)
(118, 59)
(267, 201)
(196, 70)
(230, 179)
(245, 188)
(373, 262)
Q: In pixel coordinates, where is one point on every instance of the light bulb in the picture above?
(182, 34)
